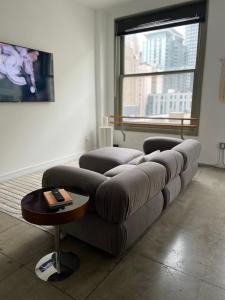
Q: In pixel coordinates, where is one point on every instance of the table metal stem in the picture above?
(57, 248)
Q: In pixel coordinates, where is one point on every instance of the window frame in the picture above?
(119, 43)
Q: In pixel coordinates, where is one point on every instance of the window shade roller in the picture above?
(175, 16)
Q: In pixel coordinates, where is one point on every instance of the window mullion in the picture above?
(159, 73)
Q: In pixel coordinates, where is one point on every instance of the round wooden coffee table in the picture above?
(57, 265)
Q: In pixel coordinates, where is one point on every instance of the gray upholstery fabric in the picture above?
(188, 174)
(115, 238)
(171, 190)
(160, 143)
(103, 159)
(136, 160)
(125, 205)
(143, 158)
(142, 219)
(150, 156)
(171, 160)
(73, 179)
(119, 169)
(119, 197)
(156, 174)
(97, 232)
(190, 149)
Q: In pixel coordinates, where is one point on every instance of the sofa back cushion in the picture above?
(190, 149)
(121, 196)
(160, 143)
(172, 160)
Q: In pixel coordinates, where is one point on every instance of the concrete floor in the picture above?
(182, 256)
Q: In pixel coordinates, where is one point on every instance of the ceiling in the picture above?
(102, 4)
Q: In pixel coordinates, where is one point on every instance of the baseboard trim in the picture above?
(39, 167)
(211, 165)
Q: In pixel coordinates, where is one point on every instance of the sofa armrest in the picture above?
(73, 179)
(160, 143)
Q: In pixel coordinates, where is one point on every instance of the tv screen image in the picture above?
(25, 74)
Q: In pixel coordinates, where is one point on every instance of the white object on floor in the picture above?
(45, 268)
(105, 136)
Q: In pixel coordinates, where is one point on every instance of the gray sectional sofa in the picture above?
(128, 188)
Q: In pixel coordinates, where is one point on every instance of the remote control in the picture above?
(58, 196)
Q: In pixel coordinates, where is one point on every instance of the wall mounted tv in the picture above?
(25, 74)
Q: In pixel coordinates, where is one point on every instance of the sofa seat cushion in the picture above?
(103, 159)
(122, 195)
(190, 149)
(119, 169)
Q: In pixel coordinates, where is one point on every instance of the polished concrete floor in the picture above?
(182, 256)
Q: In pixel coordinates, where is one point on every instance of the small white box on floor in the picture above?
(106, 136)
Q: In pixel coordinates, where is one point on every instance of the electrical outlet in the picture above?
(222, 146)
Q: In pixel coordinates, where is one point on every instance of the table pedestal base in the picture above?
(46, 268)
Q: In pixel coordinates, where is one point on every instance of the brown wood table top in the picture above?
(35, 209)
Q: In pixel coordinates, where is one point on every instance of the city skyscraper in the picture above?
(165, 50)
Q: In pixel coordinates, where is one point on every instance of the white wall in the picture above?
(36, 133)
(212, 119)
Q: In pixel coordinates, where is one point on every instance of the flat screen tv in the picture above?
(25, 74)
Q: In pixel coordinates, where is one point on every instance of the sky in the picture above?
(180, 29)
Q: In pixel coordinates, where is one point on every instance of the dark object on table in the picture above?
(64, 198)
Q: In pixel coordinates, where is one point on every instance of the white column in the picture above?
(100, 68)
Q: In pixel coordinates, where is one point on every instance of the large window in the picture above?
(159, 66)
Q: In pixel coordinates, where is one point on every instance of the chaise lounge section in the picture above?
(103, 159)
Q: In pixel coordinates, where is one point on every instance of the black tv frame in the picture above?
(21, 99)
